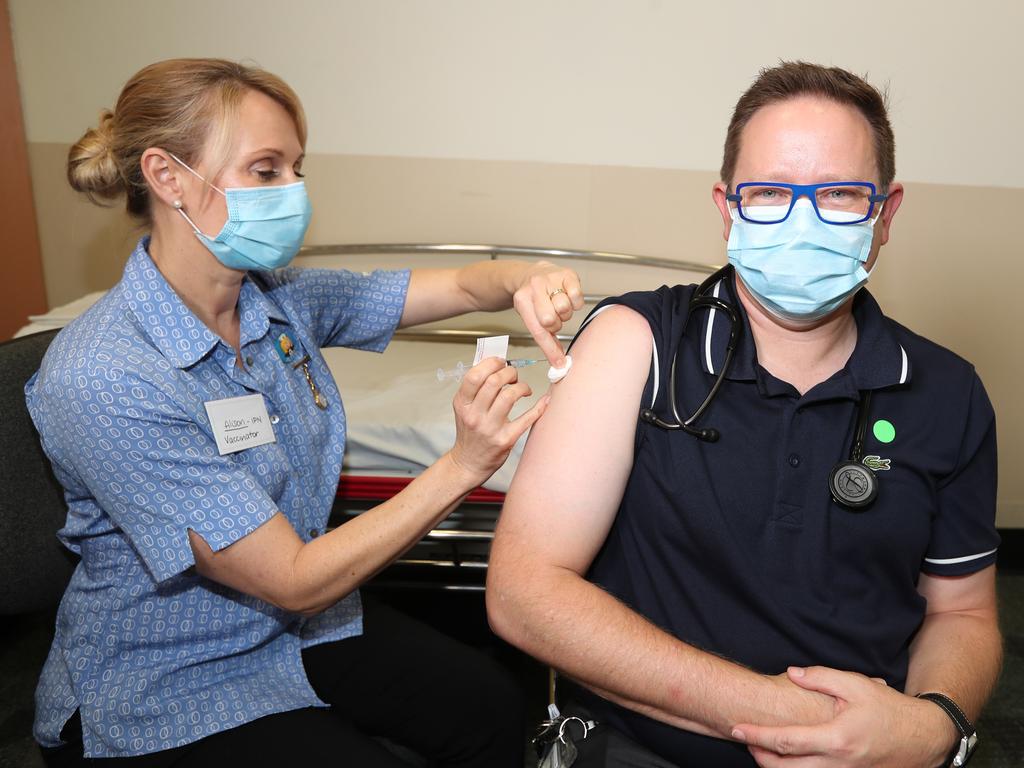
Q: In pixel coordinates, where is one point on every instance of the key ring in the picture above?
(588, 726)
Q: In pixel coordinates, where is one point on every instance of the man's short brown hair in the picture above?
(791, 79)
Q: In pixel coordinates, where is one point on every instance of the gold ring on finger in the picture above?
(556, 292)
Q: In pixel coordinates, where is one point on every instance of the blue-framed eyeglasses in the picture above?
(835, 202)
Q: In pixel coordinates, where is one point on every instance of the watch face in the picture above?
(967, 745)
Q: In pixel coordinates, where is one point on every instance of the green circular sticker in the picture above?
(884, 431)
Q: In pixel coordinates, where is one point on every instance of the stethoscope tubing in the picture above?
(852, 485)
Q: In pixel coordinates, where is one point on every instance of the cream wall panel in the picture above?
(592, 82)
(950, 271)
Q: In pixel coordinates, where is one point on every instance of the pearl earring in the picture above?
(177, 204)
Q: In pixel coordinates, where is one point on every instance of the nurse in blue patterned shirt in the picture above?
(198, 434)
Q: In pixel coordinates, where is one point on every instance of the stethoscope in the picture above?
(851, 484)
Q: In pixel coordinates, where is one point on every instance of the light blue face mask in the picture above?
(265, 226)
(801, 268)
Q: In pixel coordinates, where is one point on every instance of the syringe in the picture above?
(460, 368)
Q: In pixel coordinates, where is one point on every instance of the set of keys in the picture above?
(555, 741)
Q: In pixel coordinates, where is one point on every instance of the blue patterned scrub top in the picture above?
(153, 654)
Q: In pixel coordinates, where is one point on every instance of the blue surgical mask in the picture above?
(265, 226)
(801, 268)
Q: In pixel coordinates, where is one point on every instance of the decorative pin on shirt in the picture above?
(285, 347)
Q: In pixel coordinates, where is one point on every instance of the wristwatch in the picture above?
(968, 735)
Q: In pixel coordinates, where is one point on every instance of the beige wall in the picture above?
(574, 124)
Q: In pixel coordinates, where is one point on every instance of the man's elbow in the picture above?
(504, 601)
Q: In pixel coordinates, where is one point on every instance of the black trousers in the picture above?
(401, 680)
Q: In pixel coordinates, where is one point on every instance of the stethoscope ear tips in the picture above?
(708, 435)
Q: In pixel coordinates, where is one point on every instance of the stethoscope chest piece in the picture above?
(853, 485)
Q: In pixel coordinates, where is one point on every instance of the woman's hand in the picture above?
(484, 434)
(546, 298)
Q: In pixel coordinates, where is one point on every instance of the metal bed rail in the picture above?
(493, 253)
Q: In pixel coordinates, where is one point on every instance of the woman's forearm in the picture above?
(275, 565)
(437, 294)
(330, 567)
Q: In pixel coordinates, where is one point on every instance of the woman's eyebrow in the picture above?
(272, 151)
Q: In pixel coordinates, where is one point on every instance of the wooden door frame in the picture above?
(22, 285)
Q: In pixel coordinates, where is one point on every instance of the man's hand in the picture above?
(874, 727)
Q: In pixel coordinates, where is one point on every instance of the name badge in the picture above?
(240, 423)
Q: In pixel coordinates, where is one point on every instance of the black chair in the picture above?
(34, 567)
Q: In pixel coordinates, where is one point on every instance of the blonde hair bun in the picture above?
(92, 167)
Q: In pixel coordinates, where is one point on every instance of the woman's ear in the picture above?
(162, 174)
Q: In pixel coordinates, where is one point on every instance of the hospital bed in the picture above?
(399, 414)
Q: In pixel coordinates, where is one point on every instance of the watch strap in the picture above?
(968, 735)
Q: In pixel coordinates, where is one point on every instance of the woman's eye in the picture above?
(300, 174)
(267, 175)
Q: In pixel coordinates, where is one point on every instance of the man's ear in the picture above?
(162, 174)
(718, 193)
(892, 204)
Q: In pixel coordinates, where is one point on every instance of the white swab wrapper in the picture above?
(491, 346)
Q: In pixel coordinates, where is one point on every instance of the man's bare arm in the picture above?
(559, 510)
(957, 652)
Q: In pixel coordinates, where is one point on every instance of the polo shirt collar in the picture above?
(714, 336)
(878, 360)
(175, 329)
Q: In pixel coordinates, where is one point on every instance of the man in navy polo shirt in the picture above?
(785, 592)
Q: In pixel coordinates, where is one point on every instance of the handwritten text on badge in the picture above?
(239, 423)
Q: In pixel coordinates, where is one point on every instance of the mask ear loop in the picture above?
(877, 216)
(177, 203)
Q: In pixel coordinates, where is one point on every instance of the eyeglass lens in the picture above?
(841, 204)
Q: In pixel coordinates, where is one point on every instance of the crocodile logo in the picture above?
(876, 463)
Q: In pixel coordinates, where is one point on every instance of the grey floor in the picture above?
(24, 640)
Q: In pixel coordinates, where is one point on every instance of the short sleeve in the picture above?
(343, 308)
(964, 537)
(125, 443)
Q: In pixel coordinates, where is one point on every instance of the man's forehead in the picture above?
(807, 139)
